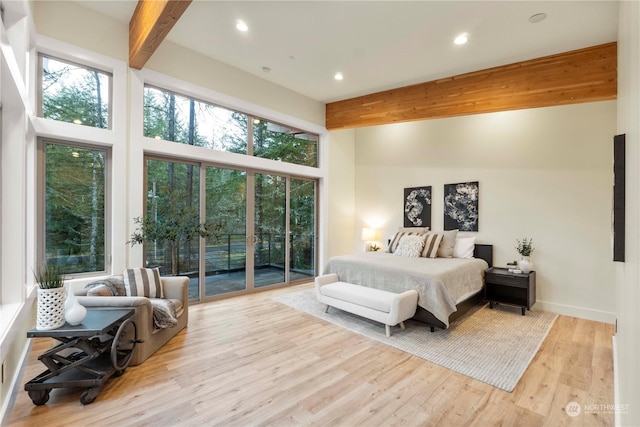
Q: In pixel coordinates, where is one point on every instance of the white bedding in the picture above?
(441, 282)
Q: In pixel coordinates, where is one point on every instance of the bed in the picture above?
(447, 287)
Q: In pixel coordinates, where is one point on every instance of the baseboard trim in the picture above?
(580, 312)
(616, 391)
(15, 388)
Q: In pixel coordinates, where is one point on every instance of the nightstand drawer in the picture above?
(501, 286)
(508, 280)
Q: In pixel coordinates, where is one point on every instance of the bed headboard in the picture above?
(485, 252)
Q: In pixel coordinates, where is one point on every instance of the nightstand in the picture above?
(501, 286)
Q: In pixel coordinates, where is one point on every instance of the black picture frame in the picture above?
(461, 206)
(618, 228)
(417, 207)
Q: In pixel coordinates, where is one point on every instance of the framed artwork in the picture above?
(618, 197)
(417, 207)
(461, 206)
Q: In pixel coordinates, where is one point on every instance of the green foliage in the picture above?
(178, 222)
(49, 276)
(71, 93)
(525, 246)
(74, 210)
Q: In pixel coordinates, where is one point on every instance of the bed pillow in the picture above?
(399, 235)
(410, 246)
(143, 282)
(431, 245)
(464, 247)
(448, 243)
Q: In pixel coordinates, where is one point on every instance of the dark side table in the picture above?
(87, 356)
(502, 286)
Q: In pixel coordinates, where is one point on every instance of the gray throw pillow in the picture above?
(117, 283)
(448, 243)
(100, 291)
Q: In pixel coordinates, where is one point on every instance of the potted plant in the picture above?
(525, 249)
(51, 296)
(178, 223)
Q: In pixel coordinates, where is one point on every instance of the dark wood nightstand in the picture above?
(501, 286)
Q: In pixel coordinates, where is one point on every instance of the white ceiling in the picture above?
(378, 45)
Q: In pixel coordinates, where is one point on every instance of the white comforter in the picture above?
(441, 282)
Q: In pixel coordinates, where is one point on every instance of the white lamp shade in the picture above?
(368, 234)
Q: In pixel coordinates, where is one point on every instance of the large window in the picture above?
(74, 187)
(74, 93)
(185, 120)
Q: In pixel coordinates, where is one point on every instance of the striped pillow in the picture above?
(431, 245)
(143, 282)
(393, 246)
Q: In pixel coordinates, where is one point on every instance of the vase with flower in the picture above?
(525, 249)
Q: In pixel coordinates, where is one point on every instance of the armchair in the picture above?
(174, 288)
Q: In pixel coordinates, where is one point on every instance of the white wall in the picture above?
(543, 173)
(341, 193)
(627, 340)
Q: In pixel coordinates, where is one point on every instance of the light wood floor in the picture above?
(252, 361)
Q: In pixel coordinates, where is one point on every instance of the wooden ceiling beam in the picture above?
(149, 25)
(584, 75)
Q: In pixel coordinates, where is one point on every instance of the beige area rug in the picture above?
(492, 346)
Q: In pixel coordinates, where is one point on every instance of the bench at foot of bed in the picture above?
(375, 304)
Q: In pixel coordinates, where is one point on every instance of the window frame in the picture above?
(40, 79)
(41, 207)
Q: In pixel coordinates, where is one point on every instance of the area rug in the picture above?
(492, 346)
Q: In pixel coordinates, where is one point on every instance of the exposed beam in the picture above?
(149, 25)
(584, 75)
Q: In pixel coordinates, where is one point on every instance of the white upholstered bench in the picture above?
(375, 304)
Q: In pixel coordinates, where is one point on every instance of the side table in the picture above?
(502, 286)
(87, 356)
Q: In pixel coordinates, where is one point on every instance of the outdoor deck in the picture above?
(235, 281)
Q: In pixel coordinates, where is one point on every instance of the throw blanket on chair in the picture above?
(164, 314)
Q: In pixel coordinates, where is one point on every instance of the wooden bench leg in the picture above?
(388, 329)
(401, 325)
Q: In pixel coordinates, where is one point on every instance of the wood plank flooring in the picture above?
(249, 360)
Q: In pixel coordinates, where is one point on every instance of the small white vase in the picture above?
(74, 312)
(525, 264)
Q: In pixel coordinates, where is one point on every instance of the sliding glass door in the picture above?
(226, 250)
(261, 227)
(172, 218)
(302, 229)
(270, 229)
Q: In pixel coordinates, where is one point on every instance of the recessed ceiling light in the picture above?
(338, 76)
(241, 26)
(538, 17)
(461, 39)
